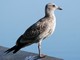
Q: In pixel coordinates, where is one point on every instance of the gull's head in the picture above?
(52, 7)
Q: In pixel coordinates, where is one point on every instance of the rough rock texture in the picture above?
(21, 55)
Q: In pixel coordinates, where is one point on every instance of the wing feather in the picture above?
(33, 32)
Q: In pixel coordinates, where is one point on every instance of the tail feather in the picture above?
(17, 49)
(14, 49)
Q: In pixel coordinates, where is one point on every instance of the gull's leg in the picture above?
(39, 49)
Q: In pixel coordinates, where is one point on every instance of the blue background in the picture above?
(17, 15)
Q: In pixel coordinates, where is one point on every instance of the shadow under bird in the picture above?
(38, 31)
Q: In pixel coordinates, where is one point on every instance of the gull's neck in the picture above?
(49, 13)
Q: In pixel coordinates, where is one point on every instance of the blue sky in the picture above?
(17, 15)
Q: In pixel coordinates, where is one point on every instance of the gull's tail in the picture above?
(14, 49)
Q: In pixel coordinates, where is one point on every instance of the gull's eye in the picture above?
(53, 5)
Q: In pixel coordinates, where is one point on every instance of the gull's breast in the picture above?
(52, 26)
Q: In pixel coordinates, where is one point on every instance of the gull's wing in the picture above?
(34, 31)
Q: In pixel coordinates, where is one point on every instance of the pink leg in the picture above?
(39, 49)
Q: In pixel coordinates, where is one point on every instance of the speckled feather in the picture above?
(38, 31)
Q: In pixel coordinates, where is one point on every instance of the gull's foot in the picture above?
(39, 57)
(42, 56)
(32, 58)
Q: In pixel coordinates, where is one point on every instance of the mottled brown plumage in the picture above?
(38, 31)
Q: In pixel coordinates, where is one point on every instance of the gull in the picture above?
(38, 31)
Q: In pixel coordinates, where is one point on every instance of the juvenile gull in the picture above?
(38, 31)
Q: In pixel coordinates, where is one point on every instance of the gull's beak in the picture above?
(59, 8)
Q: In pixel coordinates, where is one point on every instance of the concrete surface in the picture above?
(21, 55)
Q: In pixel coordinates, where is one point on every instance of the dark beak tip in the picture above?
(60, 8)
